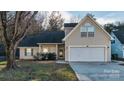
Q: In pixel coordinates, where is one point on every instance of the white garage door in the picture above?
(86, 54)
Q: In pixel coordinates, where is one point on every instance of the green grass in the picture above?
(3, 63)
(29, 71)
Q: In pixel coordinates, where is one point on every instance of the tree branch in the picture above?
(24, 31)
(3, 21)
(17, 17)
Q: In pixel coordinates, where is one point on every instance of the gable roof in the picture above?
(99, 26)
(43, 37)
(120, 35)
(70, 24)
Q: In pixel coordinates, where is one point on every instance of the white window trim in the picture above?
(27, 52)
(86, 27)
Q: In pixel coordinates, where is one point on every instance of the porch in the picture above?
(57, 48)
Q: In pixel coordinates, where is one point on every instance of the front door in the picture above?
(61, 53)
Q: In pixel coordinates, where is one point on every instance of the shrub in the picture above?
(114, 56)
(38, 56)
(45, 56)
(51, 56)
(120, 59)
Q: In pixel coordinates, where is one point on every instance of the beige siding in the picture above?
(22, 52)
(100, 38)
(68, 29)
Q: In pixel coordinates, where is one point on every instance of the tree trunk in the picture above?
(10, 56)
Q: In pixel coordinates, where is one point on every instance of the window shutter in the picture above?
(31, 52)
(25, 52)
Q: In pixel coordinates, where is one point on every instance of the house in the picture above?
(118, 43)
(45, 41)
(85, 41)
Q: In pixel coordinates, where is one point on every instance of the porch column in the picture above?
(39, 48)
(56, 51)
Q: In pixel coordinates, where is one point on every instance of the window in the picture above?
(28, 52)
(87, 30)
(113, 41)
(83, 32)
(45, 50)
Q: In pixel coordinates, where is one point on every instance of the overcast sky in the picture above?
(102, 17)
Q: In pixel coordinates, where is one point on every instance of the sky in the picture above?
(102, 17)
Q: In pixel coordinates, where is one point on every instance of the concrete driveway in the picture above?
(98, 71)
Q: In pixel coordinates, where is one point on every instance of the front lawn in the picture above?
(29, 71)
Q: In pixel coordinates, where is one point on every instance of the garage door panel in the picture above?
(86, 54)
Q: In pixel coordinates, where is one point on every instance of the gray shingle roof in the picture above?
(70, 24)
(43, 37)
(120, 35)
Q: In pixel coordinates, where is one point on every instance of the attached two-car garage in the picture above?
(88, 42)
(88, 54)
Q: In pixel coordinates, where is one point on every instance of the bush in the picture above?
(114, 56)
(38, 56)
(45, 56)
(120, 59)
(51, 56)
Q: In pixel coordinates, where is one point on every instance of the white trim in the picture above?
(56, 51)
(28, 47)
(109, 50)
(39, 48)
(50, 43)
(106, 54)
(97, 24)
(82, 22)
(66, 51)
(69, 53)
(88, 46)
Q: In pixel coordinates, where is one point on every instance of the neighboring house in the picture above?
(118, 43)
(85, 41)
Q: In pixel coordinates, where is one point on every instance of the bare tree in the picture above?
(75, 19)
(14, 26)
(55, 22)
(38, 23)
